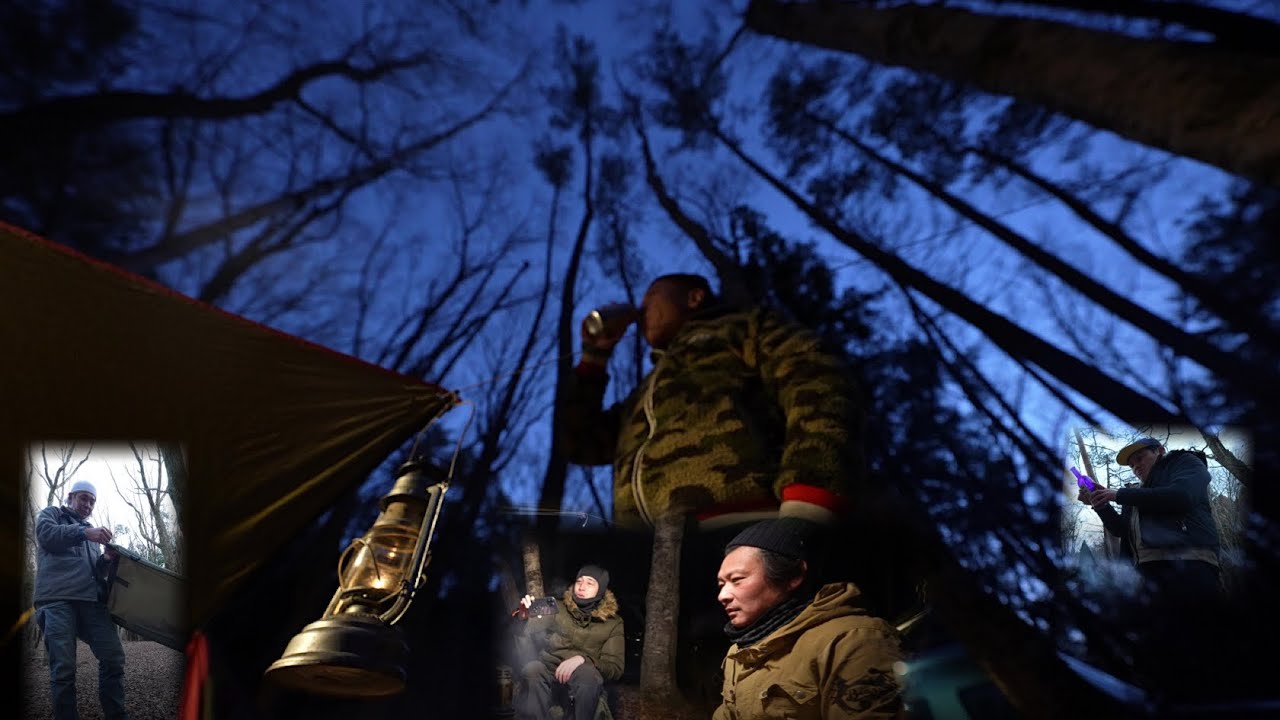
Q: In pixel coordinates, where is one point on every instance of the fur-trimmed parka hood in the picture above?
(608, 607)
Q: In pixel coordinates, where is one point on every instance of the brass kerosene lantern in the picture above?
(356, 649)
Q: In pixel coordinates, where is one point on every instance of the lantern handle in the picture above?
(421, 555)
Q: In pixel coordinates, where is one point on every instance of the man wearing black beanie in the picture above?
(582, 645)
(799, 650)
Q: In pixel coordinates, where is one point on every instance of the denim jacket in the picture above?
(67, 564)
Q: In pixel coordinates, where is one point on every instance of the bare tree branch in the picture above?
(75, 114)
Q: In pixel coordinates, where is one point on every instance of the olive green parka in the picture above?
(598, 637)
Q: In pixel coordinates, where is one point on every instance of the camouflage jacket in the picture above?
(741, 409)
(832, 661)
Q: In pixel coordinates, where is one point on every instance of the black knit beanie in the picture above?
(600, 575)
(789, 537)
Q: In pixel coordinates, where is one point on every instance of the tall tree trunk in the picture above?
(1211, 357)
(1014, 340)
(484, 469)
(175, 466)
(1237, 30)
(529, 555)
(508, 588)
(1202, 102)
(1205, 292)
(977, 387)
(1110, 542)
(1085, 462)
(1228, 459)
(153, 497)
(733, 283)
(553, 484)
(662, 607)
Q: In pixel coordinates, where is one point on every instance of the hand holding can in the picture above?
(610, 320)
(603, 327)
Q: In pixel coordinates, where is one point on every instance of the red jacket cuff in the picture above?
(814, 495)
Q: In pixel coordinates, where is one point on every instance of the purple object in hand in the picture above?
(1083, 480)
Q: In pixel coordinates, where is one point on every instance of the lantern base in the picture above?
(352, 656)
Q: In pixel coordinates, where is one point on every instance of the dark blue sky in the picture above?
(397, 237)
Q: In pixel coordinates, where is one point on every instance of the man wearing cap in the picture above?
(70, 602)
(799, 650)
(1165, 524)
(1166, 527)
(581, 646)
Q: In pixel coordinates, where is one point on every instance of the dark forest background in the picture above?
(1017, 220)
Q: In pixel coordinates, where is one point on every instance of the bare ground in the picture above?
(153, 687)
(152, 682)
(633, 704)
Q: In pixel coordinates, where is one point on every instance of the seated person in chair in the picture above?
(580, 646)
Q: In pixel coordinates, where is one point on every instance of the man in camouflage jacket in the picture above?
(742, 416)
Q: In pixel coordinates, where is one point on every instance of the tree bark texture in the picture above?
(1202, 102)
(532, 567)
(1228, 459)
(662, 607)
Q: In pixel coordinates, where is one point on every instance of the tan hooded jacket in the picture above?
(832, 661)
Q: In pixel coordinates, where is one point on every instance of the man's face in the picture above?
(1142, 461)
(586, 587)
(664, 310)
(745, 592)
(82, 503)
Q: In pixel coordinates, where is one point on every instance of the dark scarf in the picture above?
(773, 618)
(581, 610)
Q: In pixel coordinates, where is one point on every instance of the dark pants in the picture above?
(62, 622)
(585, 687)
(1180, 650)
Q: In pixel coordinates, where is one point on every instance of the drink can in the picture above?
(610, 320)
